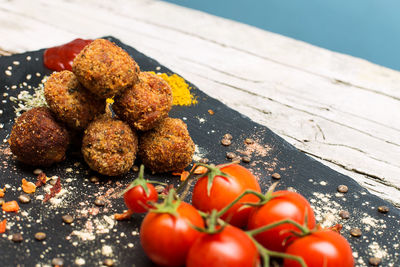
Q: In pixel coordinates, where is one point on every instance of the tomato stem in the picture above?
(288, 256)
(212, 171)
(186, 184)
(266, 254)
(237, 199)
(304, 230)
(141, 182)
(212, 221)
(169, 205)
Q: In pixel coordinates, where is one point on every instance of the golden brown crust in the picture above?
(37, 139)
(105, 69)
(109, 146)
(146, 103)
(70, 102)
(167, 147)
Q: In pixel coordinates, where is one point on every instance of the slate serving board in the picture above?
(120, 240)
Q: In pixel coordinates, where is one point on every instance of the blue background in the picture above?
(368, 29)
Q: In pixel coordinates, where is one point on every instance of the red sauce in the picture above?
(60, 58)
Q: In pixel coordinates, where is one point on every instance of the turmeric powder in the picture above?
(180, 90)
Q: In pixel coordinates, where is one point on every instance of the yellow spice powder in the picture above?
(180, 90)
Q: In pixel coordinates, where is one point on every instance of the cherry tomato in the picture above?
(231, 248)
(137, 200)
(224, 190)
(166, 239)
(284, 205)
(321, 248)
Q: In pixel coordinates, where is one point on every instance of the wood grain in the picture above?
(341, 110)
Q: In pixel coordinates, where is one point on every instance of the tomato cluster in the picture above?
(226, 200)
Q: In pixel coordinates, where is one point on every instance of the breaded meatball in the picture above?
(105, 69)
(109, 146)
(167, 147)
(70, 102)
(37, 139)
(146, 103)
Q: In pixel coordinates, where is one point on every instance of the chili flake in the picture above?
(184, 175)
(11, 206)
(200, 169)
(123, 216)
(2, 191)
(41, 179)
(28, 187)
(3, 225)
(53, 191)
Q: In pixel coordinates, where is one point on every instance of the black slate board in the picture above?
(315, 181)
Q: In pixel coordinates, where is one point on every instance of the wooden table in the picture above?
(341, 110)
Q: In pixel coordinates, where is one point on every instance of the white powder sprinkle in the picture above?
(84, 235)
(376, 250)
(107, 251)
(80, 261)
(199, 153)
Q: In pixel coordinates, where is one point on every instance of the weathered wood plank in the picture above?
(5, 53)
(342, 110)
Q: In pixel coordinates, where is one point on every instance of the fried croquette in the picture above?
(70, 102)
(105, 69)
(109, 146)
(146, 103)
(37, 139)
(167, 147)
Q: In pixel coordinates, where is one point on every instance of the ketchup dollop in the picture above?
(60, 58)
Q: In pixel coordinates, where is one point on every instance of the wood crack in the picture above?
(337, 109)
(361, 151)
(370, 176)
(221, 71)
(320, 130)
(329, 144)
(4, 52)
(373, 177)
(301, 110)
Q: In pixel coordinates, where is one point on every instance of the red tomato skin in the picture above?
(229, 248)
(322, 248)
(225, 190)
(166, 239)
(286, 205)
(137, 200)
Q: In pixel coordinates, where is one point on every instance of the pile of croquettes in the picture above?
(111, 136)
